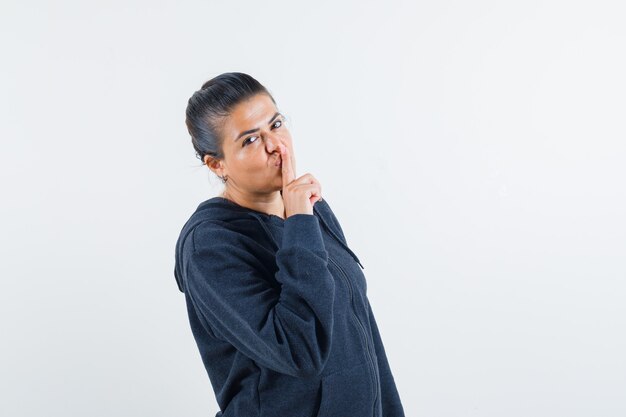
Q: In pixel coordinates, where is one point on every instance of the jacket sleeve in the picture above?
(390, 398)
(288, 329)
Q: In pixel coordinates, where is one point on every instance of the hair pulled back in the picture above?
(207, 108)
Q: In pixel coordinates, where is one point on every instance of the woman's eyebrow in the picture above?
(255, 130)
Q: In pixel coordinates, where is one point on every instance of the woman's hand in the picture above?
(299, 194)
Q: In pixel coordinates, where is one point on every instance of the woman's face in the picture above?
(251, 135)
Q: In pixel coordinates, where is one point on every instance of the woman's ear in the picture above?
(215, 165)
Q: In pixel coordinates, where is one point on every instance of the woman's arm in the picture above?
(392, 406)
(288, 330)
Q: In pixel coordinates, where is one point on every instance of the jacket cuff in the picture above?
(303, 230)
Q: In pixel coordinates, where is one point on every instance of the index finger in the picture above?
(287, 168)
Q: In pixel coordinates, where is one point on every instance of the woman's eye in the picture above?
(246, 141)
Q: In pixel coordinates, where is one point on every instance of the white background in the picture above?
(474, 153)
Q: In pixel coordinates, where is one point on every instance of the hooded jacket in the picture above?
(279, 312)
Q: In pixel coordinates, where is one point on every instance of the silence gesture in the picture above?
(299, 194)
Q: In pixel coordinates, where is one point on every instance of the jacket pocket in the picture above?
(348, 392)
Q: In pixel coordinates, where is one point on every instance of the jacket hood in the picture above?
(224, 210)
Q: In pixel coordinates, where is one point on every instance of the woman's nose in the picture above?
(272, 142)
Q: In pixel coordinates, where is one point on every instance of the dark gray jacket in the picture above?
(279, 311)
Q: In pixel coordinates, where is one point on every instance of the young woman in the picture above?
(276, 299)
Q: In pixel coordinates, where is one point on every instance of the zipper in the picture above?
(354, 317)
(362, 328)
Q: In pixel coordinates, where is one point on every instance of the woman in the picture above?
(276, 299)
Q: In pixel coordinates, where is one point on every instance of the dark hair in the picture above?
(208, 106)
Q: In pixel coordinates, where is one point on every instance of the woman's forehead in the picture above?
(250, 114)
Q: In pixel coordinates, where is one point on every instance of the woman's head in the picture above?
(235, 129)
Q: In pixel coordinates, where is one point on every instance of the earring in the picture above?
(224, 178)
